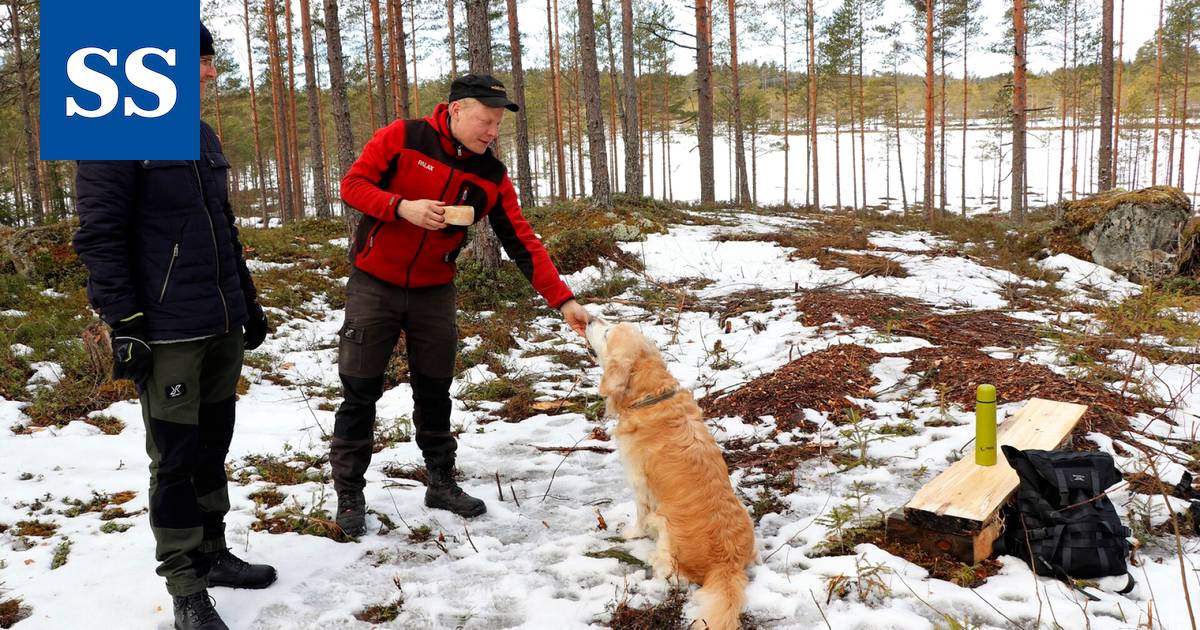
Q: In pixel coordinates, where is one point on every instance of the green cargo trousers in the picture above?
(188, 409)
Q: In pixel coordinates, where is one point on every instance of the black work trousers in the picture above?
(376, 314)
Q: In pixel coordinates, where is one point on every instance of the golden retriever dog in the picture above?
(679, 478)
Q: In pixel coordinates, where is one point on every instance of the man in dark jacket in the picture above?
(166, 273)
(403, 279)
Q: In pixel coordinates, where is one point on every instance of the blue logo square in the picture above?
(120, 80)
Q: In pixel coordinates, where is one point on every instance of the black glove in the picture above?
(132, 357)
(256, 327)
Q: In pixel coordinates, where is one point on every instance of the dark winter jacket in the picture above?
(158, 237)
(419, 159)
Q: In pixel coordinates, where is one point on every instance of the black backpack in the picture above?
(1062, 516)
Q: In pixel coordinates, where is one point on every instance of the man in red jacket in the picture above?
(403, 279)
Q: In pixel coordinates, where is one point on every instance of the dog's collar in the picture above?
(657, 398)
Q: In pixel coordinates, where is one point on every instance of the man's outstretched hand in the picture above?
(576, 316)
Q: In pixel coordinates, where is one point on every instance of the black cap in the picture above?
(482, 87)
(206, 42)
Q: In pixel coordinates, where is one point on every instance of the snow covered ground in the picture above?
(524, 565)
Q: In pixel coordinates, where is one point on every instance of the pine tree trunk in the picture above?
(1018, 169)
(1171, 134)
(704, 99)
(25, 97)
(648, 126)
(1062, 143)
(613, 167)
(390, 17)
(929, 77)
(1183, 112)
(417, 112)
(942, 118)
(1106, 97)
(601, 193)
(551, 167)
(485, 247)
(1157, 98)
(787, 116)
(577, 115)
(340, 102)
(453, 47)
(258, 155)
(633, 162)
(556, 89)
(1075, 91)
(837, 152)
(899, 148)
(853, 139)
(743, 193)
(293, 127)
(815, 185)
(18, 189)
(368, 73)
(1116, 146)
(279, 116)
(665, 130)
(382, 111)
(400, 63)
(862, 111)
(966, 82)
(524, 177)
(315, 141)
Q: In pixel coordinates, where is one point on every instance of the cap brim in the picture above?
(498, 101)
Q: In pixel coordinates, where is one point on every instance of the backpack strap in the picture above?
(1129, 584)
(1064, 490)
(1061, 576)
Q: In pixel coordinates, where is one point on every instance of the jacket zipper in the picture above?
(424, 233)
(216, 249)
(170, 267)
(371, 239)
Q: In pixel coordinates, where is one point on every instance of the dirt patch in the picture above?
(36, 528)
(974, 329)
(756, 300)
(12, 611)
(667, 615)
(956, 371)
(858, 308)
(807, 243)
(783, 459)
(942, 567)
(820, 381)
(861, 264)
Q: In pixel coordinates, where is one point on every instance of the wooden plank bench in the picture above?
(958, 513)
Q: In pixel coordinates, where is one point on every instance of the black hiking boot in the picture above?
(230, 570)
(352, 513)
(196, 612)
(443, 492)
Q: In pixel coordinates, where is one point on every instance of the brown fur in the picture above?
(680, 481)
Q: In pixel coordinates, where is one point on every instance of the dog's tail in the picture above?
(722, 597)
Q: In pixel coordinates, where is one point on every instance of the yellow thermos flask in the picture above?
(985, 425)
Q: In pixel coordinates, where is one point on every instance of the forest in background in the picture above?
(602, 101)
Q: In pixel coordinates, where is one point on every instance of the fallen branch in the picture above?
(560, 463)
(571, 449)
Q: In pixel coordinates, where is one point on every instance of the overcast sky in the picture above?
(1140, 23)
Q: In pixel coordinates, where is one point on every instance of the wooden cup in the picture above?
(459, 215)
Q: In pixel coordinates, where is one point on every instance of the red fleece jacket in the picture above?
(419, 159)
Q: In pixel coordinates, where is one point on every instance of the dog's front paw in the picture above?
(663, 566)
